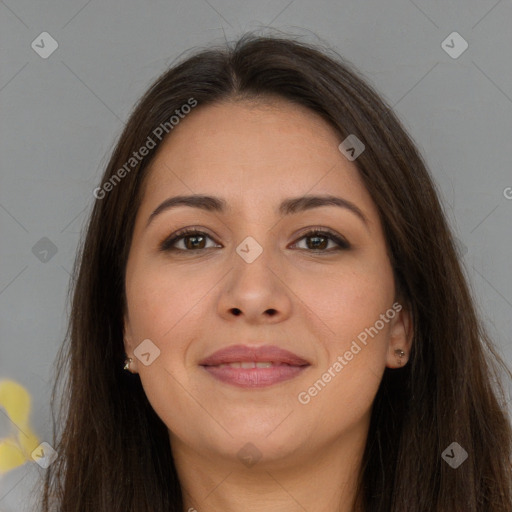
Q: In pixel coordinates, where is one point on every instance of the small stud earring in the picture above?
(400, 353)
(127, 363)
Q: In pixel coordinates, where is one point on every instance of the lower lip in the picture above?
(254, 377)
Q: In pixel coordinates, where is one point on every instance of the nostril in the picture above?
(238, 312)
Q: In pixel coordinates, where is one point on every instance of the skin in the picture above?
(254, 155)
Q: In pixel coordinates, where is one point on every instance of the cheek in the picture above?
(159, 299)
(163, 306)
(348, 299)
(348, 306)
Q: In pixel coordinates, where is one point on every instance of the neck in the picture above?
(323, 480)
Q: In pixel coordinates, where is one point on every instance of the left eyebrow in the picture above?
(300, 204)
(288, 206)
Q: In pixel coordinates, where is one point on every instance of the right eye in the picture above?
(193, 241)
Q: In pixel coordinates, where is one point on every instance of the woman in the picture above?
(269, 312)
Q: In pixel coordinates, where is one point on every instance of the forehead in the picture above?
(252, 154)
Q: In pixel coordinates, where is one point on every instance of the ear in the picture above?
(129, 346)
(400, 336)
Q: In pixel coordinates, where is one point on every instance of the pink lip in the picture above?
(287, 365)
(242, 353)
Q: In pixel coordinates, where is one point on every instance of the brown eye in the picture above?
(193, 240)
(320, 240)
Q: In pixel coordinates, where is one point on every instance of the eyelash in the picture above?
(167, 244)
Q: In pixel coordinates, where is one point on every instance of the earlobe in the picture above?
(129, 363)
(400, 339)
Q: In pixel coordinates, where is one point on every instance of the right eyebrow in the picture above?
(208, 203)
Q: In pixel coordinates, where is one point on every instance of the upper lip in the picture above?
(243, 353)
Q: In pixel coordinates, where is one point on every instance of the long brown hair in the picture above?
(114, 451)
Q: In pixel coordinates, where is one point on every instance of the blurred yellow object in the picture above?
(16, 450)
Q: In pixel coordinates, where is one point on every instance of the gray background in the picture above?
(60, 117)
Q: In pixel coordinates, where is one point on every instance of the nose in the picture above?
(256, 291)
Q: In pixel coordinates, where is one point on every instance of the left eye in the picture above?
(196, 239)
(317, 237)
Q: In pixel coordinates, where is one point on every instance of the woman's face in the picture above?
(255, 276)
